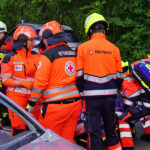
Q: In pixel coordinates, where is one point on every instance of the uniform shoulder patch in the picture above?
(8, 57)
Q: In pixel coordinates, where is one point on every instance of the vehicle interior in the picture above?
(9, 141)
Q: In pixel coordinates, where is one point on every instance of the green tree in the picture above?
(128, 20)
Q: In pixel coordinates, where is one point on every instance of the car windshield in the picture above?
(12, 142)
(34, 137)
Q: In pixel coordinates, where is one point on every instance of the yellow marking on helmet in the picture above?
(146, 86)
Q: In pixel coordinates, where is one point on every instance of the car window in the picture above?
(72, 36)
(13, 142)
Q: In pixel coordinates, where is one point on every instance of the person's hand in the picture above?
(30, 110)
(25, 84)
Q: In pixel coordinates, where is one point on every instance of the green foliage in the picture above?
(129, 20)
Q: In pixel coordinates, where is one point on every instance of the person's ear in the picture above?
(91, 31)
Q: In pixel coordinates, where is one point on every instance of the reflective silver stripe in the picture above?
(119, 113)
(71, 93)
(100, 92)
(124, 126)
(37, 90)
(98, 79)
(143, 91)
(128, 79)
(10, 88)
(55, 90)
(23, 79)
(128, 102)
(146, 124)
(125, 134)
(20, 90)
(119, 148)
(136, 75)
(79, 73)
(144, 118)
(145, 104)
(81, 93)
(119, 74)
(6, 76)
(1, 55)
(34, 99)
(137, 93)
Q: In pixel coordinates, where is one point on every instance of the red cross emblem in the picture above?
(69, 68)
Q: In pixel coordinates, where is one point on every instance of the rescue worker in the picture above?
(55, 83)
(125, 67)
(99, 76)
(123, 127)
(18, 70)
(147, 55)
(5, 47)
(5, 41)
(137, 102)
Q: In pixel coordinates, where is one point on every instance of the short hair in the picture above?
(100, 26)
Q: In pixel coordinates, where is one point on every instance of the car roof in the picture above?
(38, 26)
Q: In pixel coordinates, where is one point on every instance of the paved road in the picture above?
(139, 144)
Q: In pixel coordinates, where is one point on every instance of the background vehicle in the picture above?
(35, 137)
(73, 40)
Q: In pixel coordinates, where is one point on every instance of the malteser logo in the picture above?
(91, 52)
(102, 51)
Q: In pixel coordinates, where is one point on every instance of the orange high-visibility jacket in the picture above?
(99, 70)
(130, 87)
(20, 66)
(56, 75)
(6, 46)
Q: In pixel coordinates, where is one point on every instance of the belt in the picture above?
(65, 101)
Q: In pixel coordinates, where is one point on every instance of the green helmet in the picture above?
(93, 18)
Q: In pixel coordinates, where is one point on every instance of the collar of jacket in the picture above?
(57, 38)
(23, 52)
(2, 41)
(51, 46)
(98, 35)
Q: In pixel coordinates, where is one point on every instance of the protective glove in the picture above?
(25, 84)
(29, 108)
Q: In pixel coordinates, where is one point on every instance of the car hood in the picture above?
(51, 141)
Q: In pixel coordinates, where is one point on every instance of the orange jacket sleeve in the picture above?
(118, 61)
(41, 78)
(80, 70)
(7, 71)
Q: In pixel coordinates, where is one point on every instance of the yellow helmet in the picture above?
(93, 18)
(125, 66)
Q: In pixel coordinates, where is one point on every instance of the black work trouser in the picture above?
(97, 108)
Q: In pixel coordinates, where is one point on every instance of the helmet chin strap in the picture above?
(25, 46)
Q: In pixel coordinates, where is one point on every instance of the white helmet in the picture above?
(3, 27)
